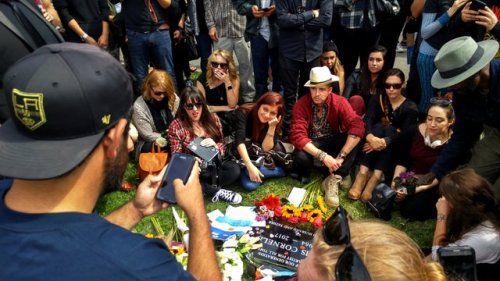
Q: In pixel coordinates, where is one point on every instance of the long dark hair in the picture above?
(472, 200)
(260, 129)
(207, 120)
(365, 77)
(387, 107)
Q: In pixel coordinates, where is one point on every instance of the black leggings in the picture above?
(216, 176)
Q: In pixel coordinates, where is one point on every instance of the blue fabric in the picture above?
(268, 173)
(262, 57)
(204, 50)
(78, 246)
(145, 48)
(426, 67)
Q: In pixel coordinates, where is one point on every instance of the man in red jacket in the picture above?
(325, 129)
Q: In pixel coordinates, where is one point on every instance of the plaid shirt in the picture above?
(180, 137)
(352, 13)
(223, 15)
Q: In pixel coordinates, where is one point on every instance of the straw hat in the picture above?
(461, 58)
(320, 76)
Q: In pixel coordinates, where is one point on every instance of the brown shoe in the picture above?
(358, 186)
(370, 186)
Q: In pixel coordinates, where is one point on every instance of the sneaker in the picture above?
(400, 48)
(331, 187)
(227, 196)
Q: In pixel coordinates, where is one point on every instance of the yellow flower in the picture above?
(149, 235)
(290, 211)
(313, 215)
(307, 208)
(321, 204)
(177, 250)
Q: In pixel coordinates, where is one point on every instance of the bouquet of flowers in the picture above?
(406, 182)
(231, 253)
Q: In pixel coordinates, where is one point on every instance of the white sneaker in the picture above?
(331, 187)
(400, 48)
(227, 196)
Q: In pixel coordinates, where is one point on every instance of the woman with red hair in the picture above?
(262, 125)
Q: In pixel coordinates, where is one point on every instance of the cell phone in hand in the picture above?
(477, 5)
(459, 262)
(180, 167)
(265, 9)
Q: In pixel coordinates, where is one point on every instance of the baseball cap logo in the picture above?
(28, 108)
(105, 119)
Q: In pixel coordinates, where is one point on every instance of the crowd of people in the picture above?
(293, 103)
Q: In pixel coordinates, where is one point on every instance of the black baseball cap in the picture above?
(62, 98)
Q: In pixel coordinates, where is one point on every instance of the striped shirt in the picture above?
(223, 15)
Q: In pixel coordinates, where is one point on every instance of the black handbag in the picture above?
(191, 44)
(386, 9)
(382, 200)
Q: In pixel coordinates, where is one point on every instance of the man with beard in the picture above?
(470, 71)
(64, 146)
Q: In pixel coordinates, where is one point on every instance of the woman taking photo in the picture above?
(194, 120)
(428, 140)
(366, 82)
(221, 86)
(390, 119)
(467, 215)
(154, 110)
(262, 125)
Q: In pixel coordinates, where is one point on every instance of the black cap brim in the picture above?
(35, 159)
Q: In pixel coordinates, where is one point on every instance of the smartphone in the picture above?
(180, 167)
(265, 9)
(205, 153)
(477, 5)
(459, 262)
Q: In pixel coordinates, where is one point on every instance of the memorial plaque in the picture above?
(283, 245)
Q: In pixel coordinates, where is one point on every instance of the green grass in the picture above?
(421, 232)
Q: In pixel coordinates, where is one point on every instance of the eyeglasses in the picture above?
(158, 93)
(396, 86)
(221, 65)
(190, 106)
(349, 266)
(440, 101)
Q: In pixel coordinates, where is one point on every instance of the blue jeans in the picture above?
(154, 47)
(204, 49)
(262, 57)
(268, 173)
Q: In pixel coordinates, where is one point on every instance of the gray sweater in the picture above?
(143, 120)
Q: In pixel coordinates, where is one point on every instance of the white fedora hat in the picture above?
(461, 58)
(320, 76)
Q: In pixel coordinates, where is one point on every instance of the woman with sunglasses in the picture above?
(194, 120)
(366, 82)
(427, 142)
(220, 86)
(262, 125)
(365, 250)
(468, 215)
(154, 110)
(390, 119)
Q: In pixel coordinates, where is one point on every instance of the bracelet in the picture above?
(84, 36)
(322, 156)
(318, 153)
(342, 155)
(441, 217)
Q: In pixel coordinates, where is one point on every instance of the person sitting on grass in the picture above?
(262, 125)
(330, 58)
(344, 249)
(325, 131)
(195, 120)
(429, 139)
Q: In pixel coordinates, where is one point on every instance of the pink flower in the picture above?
(303, 217)
(293, 220)
(318, 222)
(278, 211)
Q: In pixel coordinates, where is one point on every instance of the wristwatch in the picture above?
(84, 36)
(342, 155)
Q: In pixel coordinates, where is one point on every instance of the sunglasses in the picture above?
(158, 93)
(440, 101)
(221, 65)
(190, 106)
(350, 265)
(396, 86)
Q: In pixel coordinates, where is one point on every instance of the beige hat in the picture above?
(320, 76)
(461, 58)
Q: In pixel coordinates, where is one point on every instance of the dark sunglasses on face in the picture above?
(221, 65)
(440, 101)
(190, 106)
(158, 93)
(396, 86)
(349, 266)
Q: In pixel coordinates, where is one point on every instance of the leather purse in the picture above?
(382, 200)
(152, 162)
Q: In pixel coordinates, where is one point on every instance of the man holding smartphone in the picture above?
(64, 146)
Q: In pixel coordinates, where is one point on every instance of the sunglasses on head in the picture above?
(190, 106)
(221, 65)
(349, 266)
(396, 86)
(440, 101)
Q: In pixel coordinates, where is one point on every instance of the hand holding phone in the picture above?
(265, 9)
(179, 168)
(459, 262)
(477, 5)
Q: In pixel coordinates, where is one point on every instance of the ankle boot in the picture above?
(358, 186)
(370, 186)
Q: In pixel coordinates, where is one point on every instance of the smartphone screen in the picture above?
(179, 168)
(459, 262)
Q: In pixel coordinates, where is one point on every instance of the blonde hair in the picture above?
(161, 79)
(226, 55)
(388, 254)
